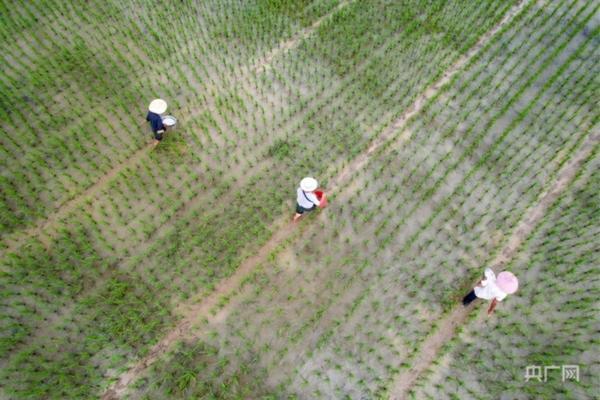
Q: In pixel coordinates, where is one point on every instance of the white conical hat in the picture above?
(158, 106)
(309, 184)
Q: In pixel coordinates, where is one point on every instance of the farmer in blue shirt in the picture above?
(157, 107)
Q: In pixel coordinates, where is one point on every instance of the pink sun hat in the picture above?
(507, 282)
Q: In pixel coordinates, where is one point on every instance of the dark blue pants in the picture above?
(468, 299)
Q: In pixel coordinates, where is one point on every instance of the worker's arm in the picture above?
(313, 199)
(323, 201)
(492, 306)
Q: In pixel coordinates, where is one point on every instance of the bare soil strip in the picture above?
(283, 47)
(201, 311)
(197, 312)
(44, 226)
(447, 326)
(417, 106)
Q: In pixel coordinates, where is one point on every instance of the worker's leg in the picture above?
(468, 299)
(299, 211)
(158, 136)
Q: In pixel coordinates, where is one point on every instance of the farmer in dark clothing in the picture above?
(157, 107)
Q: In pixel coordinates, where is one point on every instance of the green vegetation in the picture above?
(550, 324)
(103, 240)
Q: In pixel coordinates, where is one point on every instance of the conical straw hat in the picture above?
(158, 106)
(309, 184)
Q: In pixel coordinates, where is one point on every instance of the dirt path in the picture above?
(42, 229)
(200, 311)
(283, 47)
(447, 326)
(430, 92)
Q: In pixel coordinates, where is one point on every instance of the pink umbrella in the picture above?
(507, 282)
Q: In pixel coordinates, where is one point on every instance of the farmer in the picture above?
(492, 288)
(157, 107)
(308, 197)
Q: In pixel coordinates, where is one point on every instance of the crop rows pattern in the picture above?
(536, 329)
(264, 95)
(344, 308)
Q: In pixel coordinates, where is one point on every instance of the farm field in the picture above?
(450, 135)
